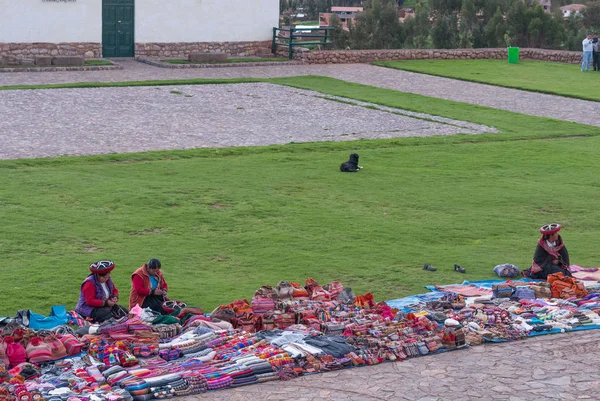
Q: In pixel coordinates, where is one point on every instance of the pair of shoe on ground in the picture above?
(457, 268)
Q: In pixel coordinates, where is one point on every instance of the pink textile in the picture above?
(466, 290)
(576, 268)
(584, 275)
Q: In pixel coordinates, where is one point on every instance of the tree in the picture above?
(441, 7)
(377, 27)
(574, 32)
(517, 24)
(528, 25)
(444, 32)
(488, 8)
(387, 32)
(468, 22)
(591, 16)
(495, 30)
(340, 37)
(418, 28)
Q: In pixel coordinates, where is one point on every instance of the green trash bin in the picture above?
(513, 55)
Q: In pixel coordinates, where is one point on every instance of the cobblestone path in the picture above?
(532, 103)
(57, 122)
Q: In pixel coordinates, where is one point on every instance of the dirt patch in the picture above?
(93, 249)
(147, 232)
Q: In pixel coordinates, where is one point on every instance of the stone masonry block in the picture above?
(66, 61)
(43, 61)
(9, 61)
(264, 52)
(206, 57)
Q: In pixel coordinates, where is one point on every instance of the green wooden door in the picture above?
(117, 28)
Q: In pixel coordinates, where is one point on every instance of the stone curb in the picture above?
(157, 63)
(115, 66)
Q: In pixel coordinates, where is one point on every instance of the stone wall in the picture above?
(181, 50)
(367, 56)
(87, 49)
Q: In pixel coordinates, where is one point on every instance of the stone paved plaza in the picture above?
(551, 367)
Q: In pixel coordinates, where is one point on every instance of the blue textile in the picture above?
(404, 303)
(555, 331)
(58, 317)
(484, 283)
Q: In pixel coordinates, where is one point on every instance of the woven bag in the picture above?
(38, 351)
(15, 352)
(502, 290)
(57, 348)
(3, 357)
(223, 313)
(72, 345)
(167, 330)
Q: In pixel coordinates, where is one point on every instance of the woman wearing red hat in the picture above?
(550, 255)
(98, 297)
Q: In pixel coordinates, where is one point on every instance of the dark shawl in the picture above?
(545, 256)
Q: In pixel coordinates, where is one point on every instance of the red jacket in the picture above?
(89, 293)
(141, 287)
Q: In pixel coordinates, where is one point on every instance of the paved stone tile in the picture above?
(49, 123)
(417, 383)
(502, 98)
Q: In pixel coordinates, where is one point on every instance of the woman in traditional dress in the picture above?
(148, 287)
(550, 255)
(98, 296)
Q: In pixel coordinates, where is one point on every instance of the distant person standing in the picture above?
(596, 54)
(588, 49)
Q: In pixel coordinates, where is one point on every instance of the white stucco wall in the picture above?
(26, 21)
(205, 20)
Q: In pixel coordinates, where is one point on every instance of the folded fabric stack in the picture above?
(196, 381)
(261, 305)
(136, 387)
(215, 378)
(241, 376)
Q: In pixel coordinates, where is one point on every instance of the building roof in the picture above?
(573, 7)
(347, 9)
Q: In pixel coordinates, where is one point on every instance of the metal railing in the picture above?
(297, 35)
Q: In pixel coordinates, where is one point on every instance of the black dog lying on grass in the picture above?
(351, 166)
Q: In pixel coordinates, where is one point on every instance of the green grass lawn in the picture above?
(226, 221)
(98, 62)
(229, 61)
(537, 76)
